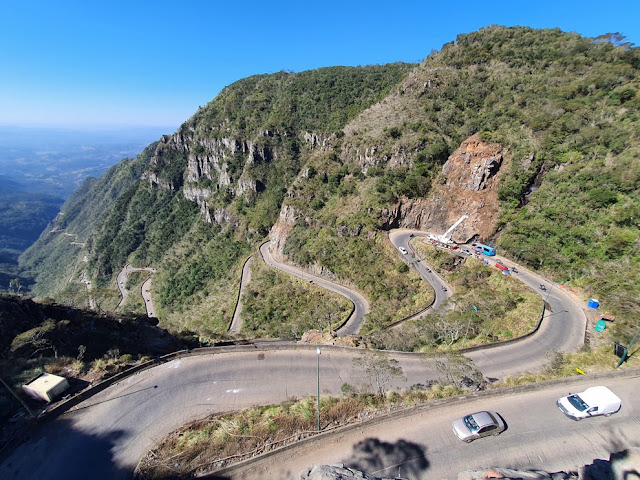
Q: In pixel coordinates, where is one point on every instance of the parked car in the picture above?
(403, 250)
(478, 425)
(592, 402)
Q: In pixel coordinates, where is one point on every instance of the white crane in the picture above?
(446, 236)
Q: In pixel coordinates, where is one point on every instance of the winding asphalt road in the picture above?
(105, 436)
(420, 443)
(236, 321)
(562, 329)
(121, 281)
(360, 303)
(401, 238)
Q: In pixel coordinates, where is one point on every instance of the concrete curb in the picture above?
(440, 403)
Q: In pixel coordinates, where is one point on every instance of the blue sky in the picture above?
(152, 63)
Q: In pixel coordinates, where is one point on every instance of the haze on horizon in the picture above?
(154, 63)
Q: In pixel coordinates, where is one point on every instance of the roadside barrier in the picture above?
(511, 340)
(306, 443)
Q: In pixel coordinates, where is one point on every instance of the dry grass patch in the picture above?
(588, 360)
(220, 440)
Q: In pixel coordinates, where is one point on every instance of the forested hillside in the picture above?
(53, 259)
(563, 108)
(210, 193)
(326, 161)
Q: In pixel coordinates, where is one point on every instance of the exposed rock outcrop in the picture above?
(468, 185)
(196, 194)
(154, 180)
(280, 231)
(208, 169)
(314, 141)
(622, 465)
(508, 473)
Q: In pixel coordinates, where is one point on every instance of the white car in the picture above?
(590, 403)
(403, 250)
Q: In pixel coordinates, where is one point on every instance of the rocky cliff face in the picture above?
(467, 186)
(209, 169)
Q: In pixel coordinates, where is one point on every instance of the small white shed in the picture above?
(46, 387)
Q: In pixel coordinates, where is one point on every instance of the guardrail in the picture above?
(306, 443)
(511, 340)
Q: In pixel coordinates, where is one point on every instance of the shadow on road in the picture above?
(621, 465)
(59, 451)
(112, 399)
(402, 459)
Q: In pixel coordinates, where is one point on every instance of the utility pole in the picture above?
(318, 355)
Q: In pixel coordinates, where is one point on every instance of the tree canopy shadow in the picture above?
(619, 465)
(402, 458)
(57, 450)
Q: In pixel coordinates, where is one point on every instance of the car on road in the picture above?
(403, 250)
(466, 251)
(478, 425)
(592, 402)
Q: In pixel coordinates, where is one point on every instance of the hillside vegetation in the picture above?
(52, 260)
(566, 109)
(336, 156)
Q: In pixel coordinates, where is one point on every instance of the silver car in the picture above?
(478, 425)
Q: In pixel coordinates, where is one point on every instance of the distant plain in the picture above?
(41, 167)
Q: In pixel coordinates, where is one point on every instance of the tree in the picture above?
(34, 340)
(459, 371)
(379, 369)
(15, 284)
(448, 329)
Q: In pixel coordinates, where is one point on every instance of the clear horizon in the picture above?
(152, 64)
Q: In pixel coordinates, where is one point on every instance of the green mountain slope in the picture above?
(327, 160)
(53, 260)
(210, 193)
(565, 110)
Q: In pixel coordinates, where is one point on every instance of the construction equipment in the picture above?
(446, 236)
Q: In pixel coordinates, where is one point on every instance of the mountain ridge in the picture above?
(339, 155)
